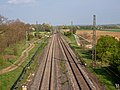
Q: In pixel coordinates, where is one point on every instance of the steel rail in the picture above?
(66, 50)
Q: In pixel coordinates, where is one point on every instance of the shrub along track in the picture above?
(20, 60)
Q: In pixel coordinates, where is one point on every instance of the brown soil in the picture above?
(6, 57)
(98, 33)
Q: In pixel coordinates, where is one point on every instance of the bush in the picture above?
(30, 37)
(67, 33)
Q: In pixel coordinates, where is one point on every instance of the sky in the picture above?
(62, 12)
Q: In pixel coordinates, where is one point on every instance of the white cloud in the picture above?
(20, 1)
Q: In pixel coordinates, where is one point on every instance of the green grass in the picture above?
(33, 66)
(19, 46)
(7, 79)
(113, 30)
(104, 77)
(85, 55)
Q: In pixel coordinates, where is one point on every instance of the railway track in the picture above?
(47, 75)
(43, 78)
(80, 79)
(45, 82)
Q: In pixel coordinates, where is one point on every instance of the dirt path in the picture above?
(77, 39)
(20, 60)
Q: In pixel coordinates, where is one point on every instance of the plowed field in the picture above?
(88, 34)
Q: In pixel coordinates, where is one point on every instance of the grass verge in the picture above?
(8, 79)
(11, 54)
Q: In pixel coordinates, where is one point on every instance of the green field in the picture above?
(112, 30)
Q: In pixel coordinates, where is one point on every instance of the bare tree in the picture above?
(11, 31)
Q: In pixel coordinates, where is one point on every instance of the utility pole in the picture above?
(71, 23)
(94, 42)
(72, 27)
(36, 25)
(26, 33)
(37, 32)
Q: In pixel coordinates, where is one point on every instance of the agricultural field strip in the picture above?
(85, 75)
(20, 60)
(99, 33)
(112, 30)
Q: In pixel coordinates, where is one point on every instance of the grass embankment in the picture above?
(11, 54)
(34, 65)
(8, 79)
(85, 55)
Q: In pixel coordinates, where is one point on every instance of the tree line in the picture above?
(11, 31)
